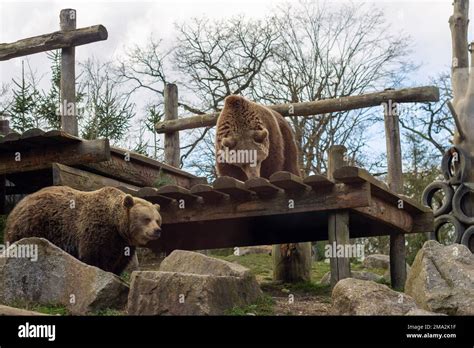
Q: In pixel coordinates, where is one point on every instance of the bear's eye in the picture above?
(147, 220)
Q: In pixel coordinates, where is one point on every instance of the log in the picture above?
(208, 193)
(172, 150)
(52, 41)
(84, 181)
(68, 77)
(395, 183)
(338, 222)
(406, 95)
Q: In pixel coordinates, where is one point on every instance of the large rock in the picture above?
(360, 297)
(172, 293)
(261, 249)
(196, 263)
(55, 277)
(12, 311)
(442, 279)
(362, 275)
(422, 312)
(377, 261)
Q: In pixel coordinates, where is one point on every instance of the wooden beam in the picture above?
(52, 41)
(68, 76)
(407, 95)
(172, 150)
(82, 180)
(141, 171)
(42, 157)
(339, 197)
(338, 222)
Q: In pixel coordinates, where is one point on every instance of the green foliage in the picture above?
(108, 312)
(25, 103)
(48, 104)
(51, 309)
(263, 306)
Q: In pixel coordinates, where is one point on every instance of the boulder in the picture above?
(196, 263)
(377, 261)
(362, 275)
(419, 311)
(172, 293)
(262, 249)
(12, 311)
(442, 279)
(53, 276)
(361, 297)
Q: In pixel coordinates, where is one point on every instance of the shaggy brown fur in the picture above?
(96, 227)
(244, 125)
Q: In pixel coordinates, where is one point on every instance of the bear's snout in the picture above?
(157, 232)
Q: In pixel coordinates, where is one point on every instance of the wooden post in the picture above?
(338, 224)
(4, 130)
(172, 152)
(68, 76)
(395, 183)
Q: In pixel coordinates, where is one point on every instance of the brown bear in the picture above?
(255, 129)
(101, 228)
(260, 135)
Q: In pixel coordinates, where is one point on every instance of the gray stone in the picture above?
(360, 297)
(12, 311)
(196, 263)
(362, 275)
(57, 278)
(172, 293)
(442, 279)
(419, 311)
(262, 249)
(377, 261)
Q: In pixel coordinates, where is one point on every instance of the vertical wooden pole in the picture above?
(338, 223)
(4, 130)
(395, 182)
(67, 21)
(172, 152)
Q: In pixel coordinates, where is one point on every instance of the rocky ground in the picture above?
(440, 281)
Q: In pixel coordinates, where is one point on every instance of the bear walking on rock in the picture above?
(101, 228)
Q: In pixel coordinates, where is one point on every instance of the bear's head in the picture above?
(144, 220)
(243, 139)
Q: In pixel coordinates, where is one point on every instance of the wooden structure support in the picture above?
(407, 95)
(338, 223)
(172, 150)
(231, 213)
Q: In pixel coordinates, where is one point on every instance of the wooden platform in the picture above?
(283, 209)
(36, 159)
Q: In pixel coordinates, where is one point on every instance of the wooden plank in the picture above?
(339, 197)
(178, 193)
(387, 213)
(151, 194)
(318, 181)
(318, 107)
(355, 175)
(208, 193)
(82, 180)
(262, 187)
(68, 76)
(234, 188)
(134, 169)
(52, 41)
(36, 158)
(127, 190)
(172, 150)
(288, 181)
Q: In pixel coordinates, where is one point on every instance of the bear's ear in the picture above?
(260, 135)
(157, 206)
(229, 142)
(128, 201)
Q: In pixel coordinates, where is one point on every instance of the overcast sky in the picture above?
(130, 23)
